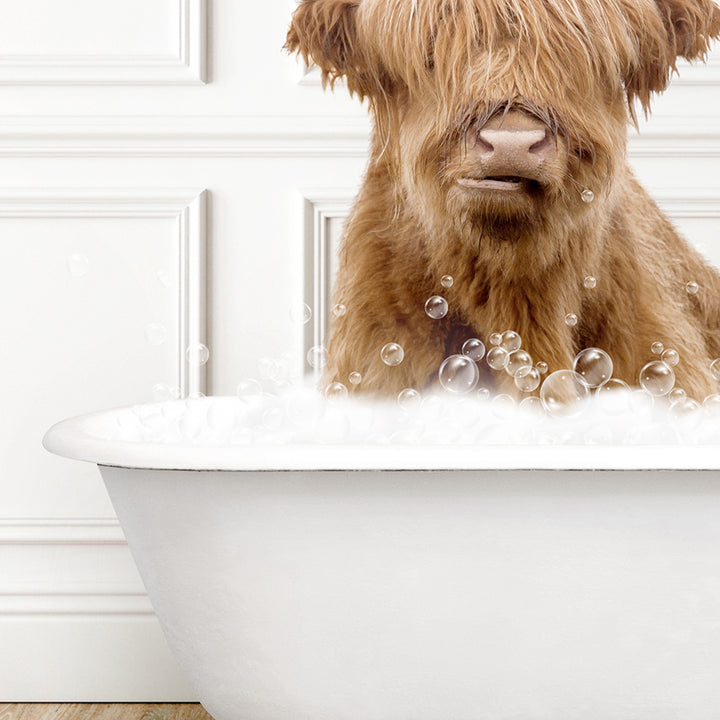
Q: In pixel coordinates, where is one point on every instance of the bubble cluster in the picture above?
(436, 307)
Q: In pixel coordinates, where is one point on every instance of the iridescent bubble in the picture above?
(532, 405)
(712, 404)
(670, 357)
(78, 264)
(527, 379)
(301, 314)
(587, 195)
(715, 369)
(542, 367)
(392, 354)
(571, 319)
(317, 356)
(355, 378)
(497, 357)
(409, 399)
(474, 348)
(657, 348)
(339, 310)
(594, 365)
(518, 360)
(589, 282)
(155, 333)
(692, 288)
(563, 392)
(657, 378)
(436, 307)
(495, 338)
(510, 341)
(503, 406)
(197, 354)
(677, 395)
(458, 374)
(447, 281)
(335, 391)
(249, 388)
(613, 396)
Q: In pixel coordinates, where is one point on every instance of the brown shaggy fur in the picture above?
(435, 72)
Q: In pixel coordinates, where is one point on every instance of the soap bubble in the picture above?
(497, 357)
(657, 348)
(589, 282)
(474, 348)
(392, 354)
(542, 367)
(527, 378)
(594, 365)
(677, 395)
(335, 391)
(409, 399)
(155, 333)
(510, 341)
(587, 195)
(715, 369)
(436, 307)
(161, 392)
(483, 394)
(339, 310)
(197, 354)
(563, 393)
(692, 288)
(712, 404)
(78, 264)
(613, 396)
(301, 314)
(355, 378)
(571, 319)
(657, 378)
(503, 406)
(518, 360)
(687, 413)
(670, 357)
(317, 356)
(532, 405)
(249, 388)
(495, 338)
(447, 281)
(458, 374)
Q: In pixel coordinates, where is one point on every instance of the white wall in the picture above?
(188, 170)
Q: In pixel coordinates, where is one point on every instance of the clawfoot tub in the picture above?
(424, 583)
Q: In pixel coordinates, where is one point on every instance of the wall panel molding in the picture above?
(61, 531)
(187, 206)
(690, 136)
(185, 67)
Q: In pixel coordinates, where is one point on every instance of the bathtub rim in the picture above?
(69, 438)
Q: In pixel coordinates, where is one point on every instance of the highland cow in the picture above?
(498, 157)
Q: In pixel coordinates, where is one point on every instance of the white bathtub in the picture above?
(436, 583)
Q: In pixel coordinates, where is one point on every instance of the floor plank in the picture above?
(103, 711)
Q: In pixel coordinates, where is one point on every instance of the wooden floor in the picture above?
(102, 711)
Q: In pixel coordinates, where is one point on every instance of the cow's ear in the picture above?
(325, 32)
(678, 28)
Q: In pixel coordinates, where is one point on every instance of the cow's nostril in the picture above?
(542, 147)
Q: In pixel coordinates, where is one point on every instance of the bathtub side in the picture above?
(471, 595)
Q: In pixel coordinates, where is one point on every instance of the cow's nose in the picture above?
(514, 144)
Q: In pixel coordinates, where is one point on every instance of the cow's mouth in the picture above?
(492, 182)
